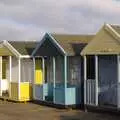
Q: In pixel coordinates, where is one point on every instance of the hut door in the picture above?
(108, 80)
(90, 82)
(5, 79)
(38, 71)
(46, 70)
(75, 77)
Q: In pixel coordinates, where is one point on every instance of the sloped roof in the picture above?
(24, 47)
(4, 51)
(105, 42)
(72, 44)
(116, 28)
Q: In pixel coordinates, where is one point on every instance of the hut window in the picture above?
(26, 70)
(74, 69)
(59, 69)
(90, 67)
(14, 69)
(74, 74)
(49, 70)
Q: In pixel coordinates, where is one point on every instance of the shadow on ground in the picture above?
(90, 116)
(29, 111)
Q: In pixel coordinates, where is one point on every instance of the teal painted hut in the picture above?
(62, 68)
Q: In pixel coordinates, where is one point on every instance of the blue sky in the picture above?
(30, 19)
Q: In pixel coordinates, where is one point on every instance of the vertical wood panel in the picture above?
(0, 75)
(19, 76)
(54, 79)
(118, 83)
(10, 70)
(85, 78)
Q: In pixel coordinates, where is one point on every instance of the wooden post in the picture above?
(43, 68)
(118, 82)
(43, 74)
(34, 78)
(65, 71)
(10, 68)
(0, 75)
(54, 77)
(65, 75)
(96, 79)
(85, 79)
(19, 76)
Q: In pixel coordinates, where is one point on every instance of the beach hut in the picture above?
(16, 70)
(61, 67)
(102, 68)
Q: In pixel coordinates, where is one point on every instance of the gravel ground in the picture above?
(29, 111)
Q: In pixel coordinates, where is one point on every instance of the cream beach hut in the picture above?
(102, 68)
(16, 70)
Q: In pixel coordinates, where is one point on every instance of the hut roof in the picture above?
(69, 44)
(72, 44)
(105, 42)
(24, 47)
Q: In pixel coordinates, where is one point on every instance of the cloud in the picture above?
(14, 31)
(30, 19)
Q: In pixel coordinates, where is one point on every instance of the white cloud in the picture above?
(29, 19)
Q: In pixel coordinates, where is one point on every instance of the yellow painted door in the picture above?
(38, 71)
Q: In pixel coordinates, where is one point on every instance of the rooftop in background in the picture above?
(24, 47)
(72, 44)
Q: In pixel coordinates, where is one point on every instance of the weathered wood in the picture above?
(118, 82)
(90, 92)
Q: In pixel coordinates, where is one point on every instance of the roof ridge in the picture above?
(115, 24)
(67, 34)
(22, 40)
(113, 30)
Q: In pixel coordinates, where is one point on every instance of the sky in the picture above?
(31, 19)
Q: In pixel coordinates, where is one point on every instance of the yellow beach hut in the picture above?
(16, 70)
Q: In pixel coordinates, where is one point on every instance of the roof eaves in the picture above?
(11, 48)
(57, 44)
(113, 32)
(25, 56)
(37, 47)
